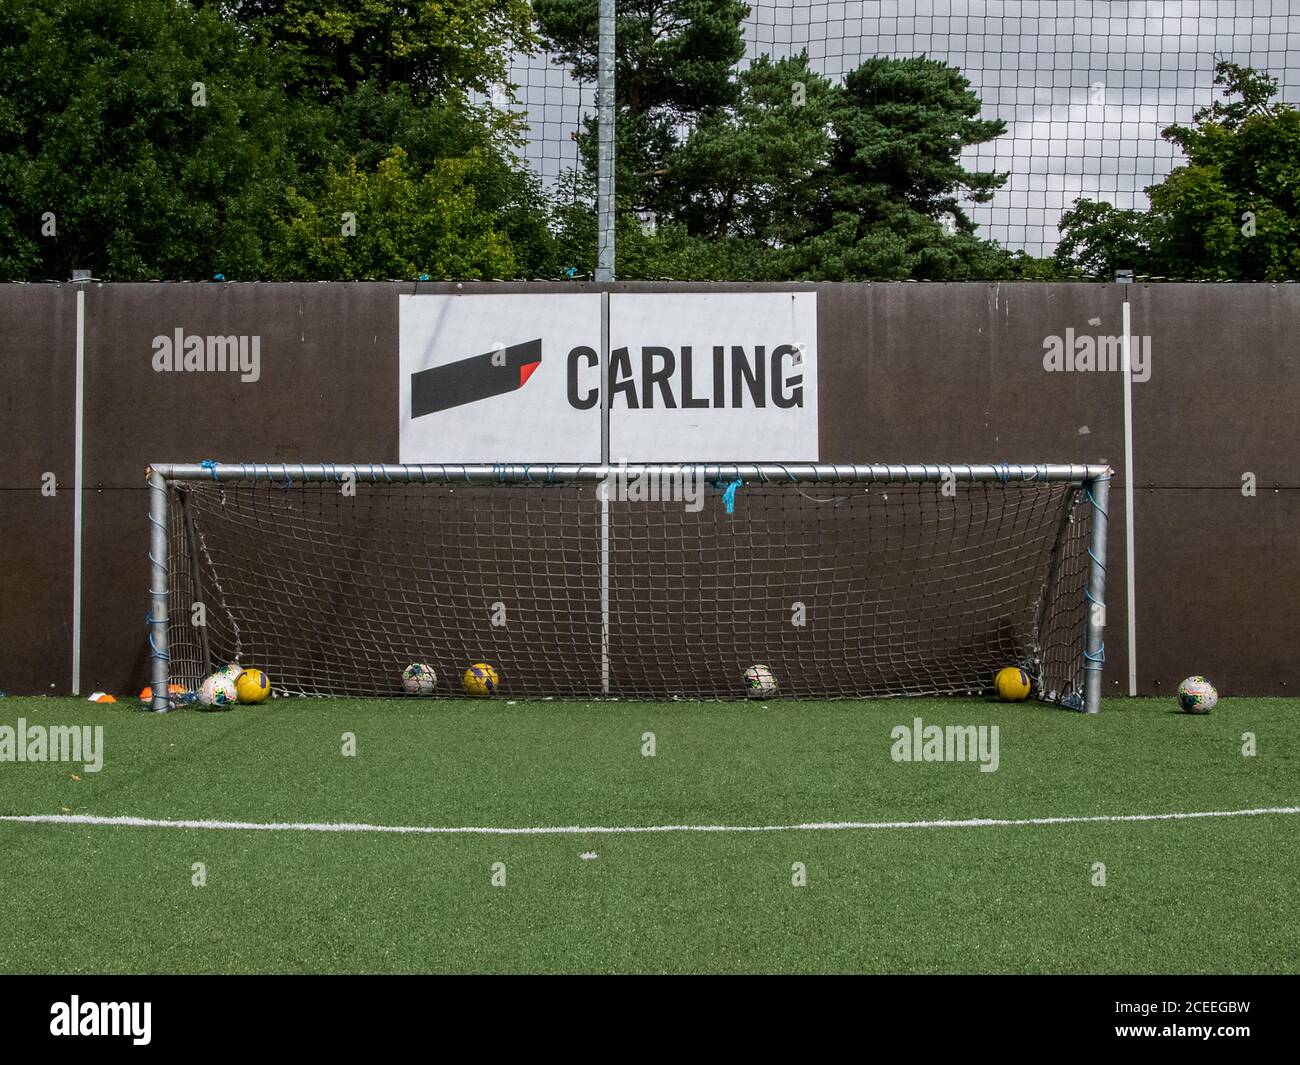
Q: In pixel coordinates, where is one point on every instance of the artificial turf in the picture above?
(1205, 895)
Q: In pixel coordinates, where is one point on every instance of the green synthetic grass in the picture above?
(1214, 895)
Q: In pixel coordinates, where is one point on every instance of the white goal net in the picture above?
(652, 582)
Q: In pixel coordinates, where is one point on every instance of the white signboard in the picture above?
(694, 377)
(485, 378)
(713, 376)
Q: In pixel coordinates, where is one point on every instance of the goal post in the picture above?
(652, 581)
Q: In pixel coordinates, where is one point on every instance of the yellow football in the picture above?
(252, 686)
(1012, 684)
(481, 680)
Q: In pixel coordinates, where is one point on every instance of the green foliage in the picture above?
(673, 63)
(405, 226)
(901, 125)
(1098, 238)
(148, 176)
(370, 122)
(1026, 267)
(311, 111)
(674, 55)
(1231, 213)
(330, 47)
(754, 168)
(899, 244)
(895, 182)
(797, 179)
(99, 127)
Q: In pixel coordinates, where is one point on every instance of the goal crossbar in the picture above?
(855, 549)
(769, 472)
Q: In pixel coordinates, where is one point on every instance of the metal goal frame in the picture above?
(1094, 480)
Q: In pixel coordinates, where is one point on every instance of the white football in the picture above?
(419, 678)
(218, 691)
(759, 682)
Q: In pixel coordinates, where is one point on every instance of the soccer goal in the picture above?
(643, 581)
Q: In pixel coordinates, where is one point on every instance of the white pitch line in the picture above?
(610, 830)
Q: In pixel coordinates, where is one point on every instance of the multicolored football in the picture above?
(1196, 695)
(419, 678)
(759, 682)
(218, 692)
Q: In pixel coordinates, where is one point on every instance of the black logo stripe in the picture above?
(472, 379)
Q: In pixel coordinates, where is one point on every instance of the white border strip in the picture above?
(612, 830)
(1130, 575)
(76, 488)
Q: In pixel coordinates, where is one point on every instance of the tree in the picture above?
(673, 62)
(143, 134)
(1232, 212)
(796, 179)
(368, 123)
(1097, 239)
(391, 224)
(755, 167)
(330, 47)
(892, 206)
(146, 139)
(386, 74)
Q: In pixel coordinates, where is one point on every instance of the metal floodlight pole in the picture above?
(605, 144)
(604, 275)
(1094, 638)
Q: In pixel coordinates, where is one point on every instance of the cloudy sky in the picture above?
(1085, 86)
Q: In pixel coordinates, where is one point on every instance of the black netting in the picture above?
(844, 589)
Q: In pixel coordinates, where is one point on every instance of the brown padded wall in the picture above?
(929, 372)
(948, 373)
(327, 386)
(1218, 572)
(1224, 393)
(327, 392)
(1218, 576)
(954, 373)
(38, 330)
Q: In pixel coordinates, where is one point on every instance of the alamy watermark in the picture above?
(75, 1017)
(661, 484)
(1086, 353)
(920, 742)
(57, 743)
(193, 353)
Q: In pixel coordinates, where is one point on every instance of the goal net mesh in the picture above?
(842, 589)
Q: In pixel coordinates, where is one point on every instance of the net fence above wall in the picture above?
(1085, 86)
